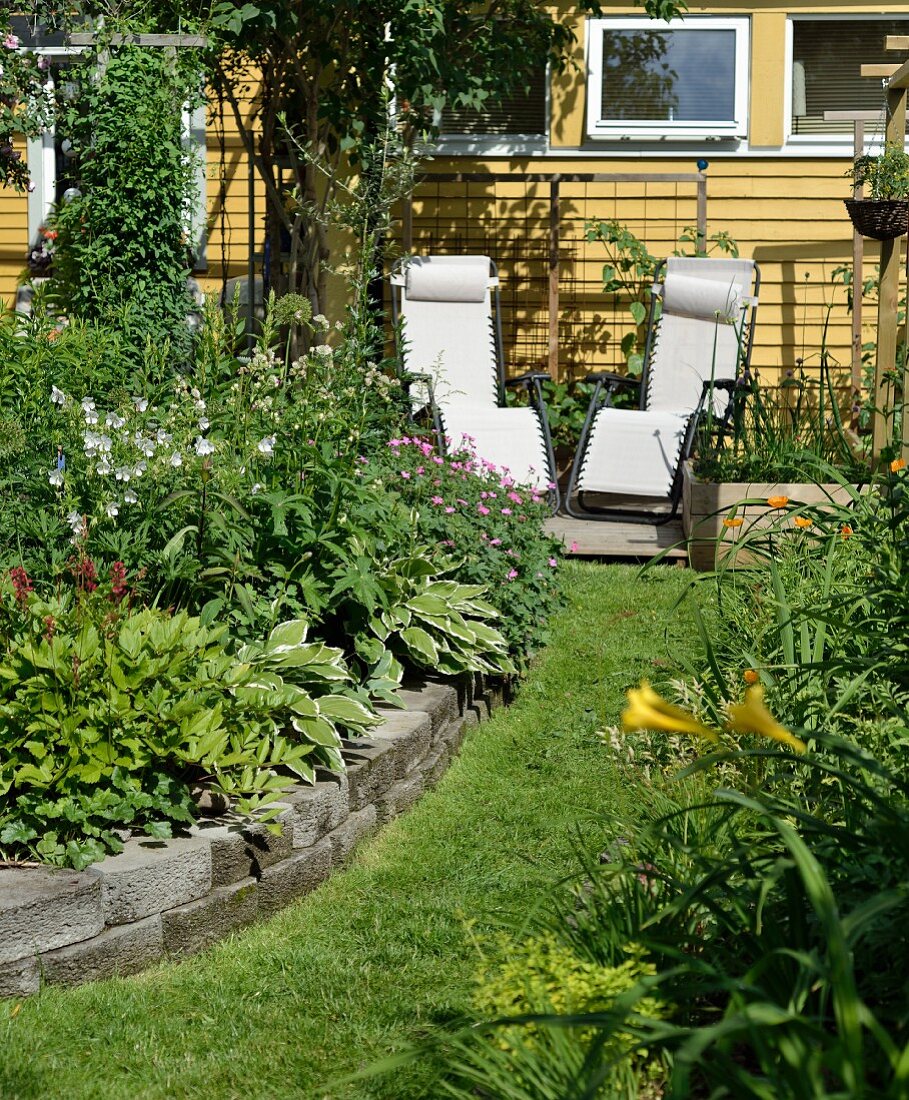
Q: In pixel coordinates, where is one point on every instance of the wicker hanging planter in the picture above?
(881, 219)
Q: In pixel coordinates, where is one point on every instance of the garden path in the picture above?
(384, 951)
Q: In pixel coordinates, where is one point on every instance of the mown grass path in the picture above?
(381, 953)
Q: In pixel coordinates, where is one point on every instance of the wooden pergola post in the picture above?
(889, 285)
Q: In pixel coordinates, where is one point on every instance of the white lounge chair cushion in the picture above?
(511, 439)
(709, 299)
(465, 279)
(454, 342)
(634, 453)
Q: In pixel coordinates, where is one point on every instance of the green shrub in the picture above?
(109, 714)
(489, 528)
(121, 253)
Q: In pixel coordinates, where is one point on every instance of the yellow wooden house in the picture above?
(748, 88)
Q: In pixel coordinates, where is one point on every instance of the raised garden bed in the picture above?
(705, 504)
(166, 899)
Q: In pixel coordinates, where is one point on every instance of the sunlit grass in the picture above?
(381, 953)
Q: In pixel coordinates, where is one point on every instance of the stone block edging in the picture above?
(168, 899)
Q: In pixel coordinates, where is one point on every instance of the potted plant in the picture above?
(884, 212)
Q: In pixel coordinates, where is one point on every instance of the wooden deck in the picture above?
(599, 539)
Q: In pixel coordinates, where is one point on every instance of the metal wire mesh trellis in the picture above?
(555, 314)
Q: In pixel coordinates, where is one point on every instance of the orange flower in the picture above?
(845, 530)
(733, 521)
(778, 502)
(751, 676)
(897, 464)
(53, 334)
(802, 521)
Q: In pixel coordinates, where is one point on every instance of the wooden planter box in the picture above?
(705, 504)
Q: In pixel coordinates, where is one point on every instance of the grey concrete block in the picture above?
(439, 700)
(314, 811)
(190, 928)
(370, 770)
(349, 834)
(470, 718)
(410, 733)
(300, 874)
(481, 709)
(42, 909)
(19, 978)
(436, 765)
(453, 735)
(149, 876)
(126, 949)
(240, 849)
(400, 797)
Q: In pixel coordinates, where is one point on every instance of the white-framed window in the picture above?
(824, 58)
(650, 80)
(517, 123)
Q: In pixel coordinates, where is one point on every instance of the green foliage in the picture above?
(886, 176)
(26, 108)
(490, 529)
(110, 713)
(783, 434)
(121, 252)
(630, 268)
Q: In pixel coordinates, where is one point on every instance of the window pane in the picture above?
(676, 76)
(524, 112)
(827, 57)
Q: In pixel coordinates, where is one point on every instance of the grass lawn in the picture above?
(380, 953)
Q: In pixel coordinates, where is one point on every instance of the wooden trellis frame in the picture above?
(897, 86)
(555, 179)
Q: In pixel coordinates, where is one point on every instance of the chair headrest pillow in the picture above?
(462, 280)
(709, 299)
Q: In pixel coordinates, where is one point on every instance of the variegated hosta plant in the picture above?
(436, 624)
(107, 716)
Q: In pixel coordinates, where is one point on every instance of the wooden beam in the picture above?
(554, 279)
(883, 71)
(177, 41)
(900, 79)
(888, 298)
(563, 177)
(851, 116)
(896, 42)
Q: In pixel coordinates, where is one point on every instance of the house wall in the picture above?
(783, 205)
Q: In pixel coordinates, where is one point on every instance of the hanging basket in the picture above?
(882, 219)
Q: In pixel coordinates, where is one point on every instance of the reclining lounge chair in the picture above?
(448, 309)
(699, 339)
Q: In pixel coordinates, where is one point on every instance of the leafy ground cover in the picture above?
(386, 951)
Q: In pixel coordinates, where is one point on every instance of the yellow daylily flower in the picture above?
(753, 717)
(648, 711)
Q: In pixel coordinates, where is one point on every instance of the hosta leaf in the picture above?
(288, 634)
(418, 640)
(347, 711)
(318, 729)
